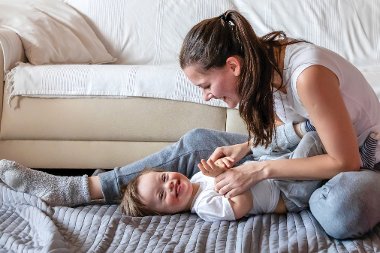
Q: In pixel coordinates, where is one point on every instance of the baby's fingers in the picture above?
(215, 169)
(228, 161)
(202, 169)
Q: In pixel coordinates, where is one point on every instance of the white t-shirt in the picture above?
(212, 206)
(361, 101)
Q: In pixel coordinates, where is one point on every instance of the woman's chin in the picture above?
(231, 105)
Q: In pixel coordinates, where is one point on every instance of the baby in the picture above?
(157, 192)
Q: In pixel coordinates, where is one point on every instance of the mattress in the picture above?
(28, 224)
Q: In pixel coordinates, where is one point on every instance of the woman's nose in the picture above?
(207, 95)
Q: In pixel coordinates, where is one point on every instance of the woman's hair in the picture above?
(131, 203)
(208, 45)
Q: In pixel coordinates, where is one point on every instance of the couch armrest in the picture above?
(12, 49)
(11, 52)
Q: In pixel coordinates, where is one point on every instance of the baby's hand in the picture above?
(214, 169)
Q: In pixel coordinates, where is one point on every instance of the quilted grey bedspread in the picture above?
(27, 224)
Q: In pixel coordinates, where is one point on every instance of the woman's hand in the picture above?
(239, 179)
(233, 152)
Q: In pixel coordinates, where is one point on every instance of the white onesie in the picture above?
(212, 206)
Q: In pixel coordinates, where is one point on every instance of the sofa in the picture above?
(92, 129)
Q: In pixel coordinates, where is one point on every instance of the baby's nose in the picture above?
(170, 185)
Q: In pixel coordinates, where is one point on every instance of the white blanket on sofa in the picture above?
(164, 81)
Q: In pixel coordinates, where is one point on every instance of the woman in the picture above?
(273, 79)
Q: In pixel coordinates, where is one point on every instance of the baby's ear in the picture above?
(234, 63)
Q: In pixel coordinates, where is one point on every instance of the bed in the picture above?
(27, 224)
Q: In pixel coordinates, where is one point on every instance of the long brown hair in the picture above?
(208, 45)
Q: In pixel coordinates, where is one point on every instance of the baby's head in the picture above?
(157, 192)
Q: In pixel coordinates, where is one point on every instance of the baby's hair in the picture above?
(131, 204)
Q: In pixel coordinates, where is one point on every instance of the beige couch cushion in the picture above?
(131, 119)
(52, 32)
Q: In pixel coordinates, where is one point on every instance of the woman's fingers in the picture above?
(235, 181)
(218, 153)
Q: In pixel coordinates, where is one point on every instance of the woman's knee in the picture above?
(196, 137)
(347, 205)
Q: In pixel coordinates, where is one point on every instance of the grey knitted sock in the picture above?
(54, 190)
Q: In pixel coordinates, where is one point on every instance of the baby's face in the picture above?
(165, 192)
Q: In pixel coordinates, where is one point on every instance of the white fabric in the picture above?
(212, 206)
(361, 101)
(52, 32)
(207, 203)
(168, 82)
(151, 31)
(265, 196)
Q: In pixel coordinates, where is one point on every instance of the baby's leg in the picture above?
(284, 139)
(55, 190)
(368, 150)
(296, 193)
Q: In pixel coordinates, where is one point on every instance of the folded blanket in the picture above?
(164, 81)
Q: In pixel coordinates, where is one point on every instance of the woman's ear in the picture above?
(234, 63)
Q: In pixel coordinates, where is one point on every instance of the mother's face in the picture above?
(217, 83)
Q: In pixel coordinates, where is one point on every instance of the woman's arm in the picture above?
(319, 92)
(318, 89)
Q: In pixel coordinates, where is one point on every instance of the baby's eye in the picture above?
(161, 195)
(163, 177)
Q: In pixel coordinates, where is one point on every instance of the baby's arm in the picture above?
(241, 204)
